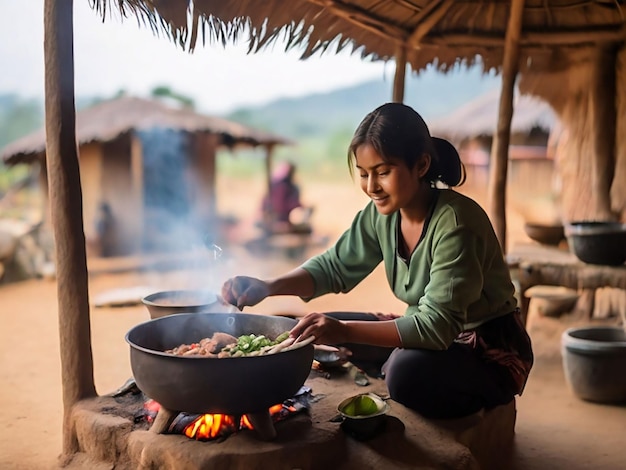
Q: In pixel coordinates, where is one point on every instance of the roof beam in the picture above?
(363, 19)
(554, 38)
(427, 18)
(430, 15)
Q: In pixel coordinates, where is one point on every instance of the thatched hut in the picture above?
(148, 172)
(531, 164)
(571, 54)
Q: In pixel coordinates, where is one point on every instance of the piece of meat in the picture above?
(218, 341)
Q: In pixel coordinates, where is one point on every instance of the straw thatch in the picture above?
(108, 120)
(480, 116)
(443, 32)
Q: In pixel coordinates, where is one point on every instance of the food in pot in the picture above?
(225, 345)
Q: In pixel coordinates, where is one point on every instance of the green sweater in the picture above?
(455, 280)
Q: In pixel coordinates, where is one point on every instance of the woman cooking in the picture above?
(460, 346)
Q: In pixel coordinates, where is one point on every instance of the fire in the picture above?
(214, 426)
(210, 426)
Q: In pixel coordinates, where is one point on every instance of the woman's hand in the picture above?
(244, 291)
(327, 330)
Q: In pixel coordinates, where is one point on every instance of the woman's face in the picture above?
(391, 185)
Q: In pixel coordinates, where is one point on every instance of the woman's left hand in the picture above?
(326, 330)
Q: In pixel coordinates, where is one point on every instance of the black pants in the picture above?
(437, 384)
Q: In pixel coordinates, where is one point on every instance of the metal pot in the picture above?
(232, 386)
(160, 304)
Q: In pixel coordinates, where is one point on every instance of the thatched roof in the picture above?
(108, 120)
(443, 32)
(480, 117)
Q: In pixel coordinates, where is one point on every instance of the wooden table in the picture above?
(534, 264)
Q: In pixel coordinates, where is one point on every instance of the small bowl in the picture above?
(170, 302)
(365, 424)
(552, 301)
(545, 234)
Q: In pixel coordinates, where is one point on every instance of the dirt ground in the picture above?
(555, 430)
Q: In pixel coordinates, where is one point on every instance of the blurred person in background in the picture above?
(282, 210)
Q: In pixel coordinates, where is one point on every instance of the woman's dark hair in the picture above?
(397, 131)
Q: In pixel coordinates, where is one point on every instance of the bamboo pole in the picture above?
(400, 74)
(502, 137)
(67, 214)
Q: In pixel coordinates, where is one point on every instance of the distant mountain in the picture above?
(431, 94)
(321, 116)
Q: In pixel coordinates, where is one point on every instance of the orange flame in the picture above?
(210, 426)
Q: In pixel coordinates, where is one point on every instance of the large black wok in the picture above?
(233, 386)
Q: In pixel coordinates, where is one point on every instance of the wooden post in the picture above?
(137, 188)
(502, 137)
(67, 214)
(604, 119)
(400, 75)
(269, 149)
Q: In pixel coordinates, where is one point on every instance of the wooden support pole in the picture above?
(210, 145)
(500, 146)
(602, 95)
(269, 150)
(400, 74)
(67, 214)
(137, 188)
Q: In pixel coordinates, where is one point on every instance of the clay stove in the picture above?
(106, 431)
(214, 426)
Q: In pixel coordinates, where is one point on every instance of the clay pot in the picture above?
(593, 362)
(598, 242)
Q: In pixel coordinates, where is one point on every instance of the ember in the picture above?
(204, 427)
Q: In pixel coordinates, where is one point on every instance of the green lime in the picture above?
(350, 408)
(361, 405)
(365, 406)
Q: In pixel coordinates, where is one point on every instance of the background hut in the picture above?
(531, 165)
(148, 172)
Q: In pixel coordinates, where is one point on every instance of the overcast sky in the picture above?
(117, 54)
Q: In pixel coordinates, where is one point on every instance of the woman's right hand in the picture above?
(244, 291)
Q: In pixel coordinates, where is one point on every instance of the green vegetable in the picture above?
(248, 344)
(281, 337)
